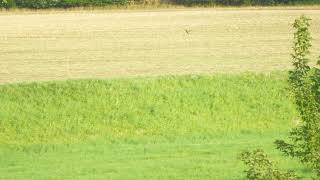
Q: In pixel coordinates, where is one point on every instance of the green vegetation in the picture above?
(39, 4)
(244, 2)
(261, 168)
(304, 138)
(72, 110)
(176, 126)
(167, 127)
(305, 85)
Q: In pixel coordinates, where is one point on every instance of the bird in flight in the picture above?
(188, 31)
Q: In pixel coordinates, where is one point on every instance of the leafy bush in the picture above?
(37, 4)
(7, 4)
(40, 4)
(244, 2)
(261, 168)
(305, 138)
(305, 87)
(150, 2)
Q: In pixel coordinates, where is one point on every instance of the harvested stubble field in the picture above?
(168, 127)
(64, 45)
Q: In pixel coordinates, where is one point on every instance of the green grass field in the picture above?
(192, 112)
(166, 127)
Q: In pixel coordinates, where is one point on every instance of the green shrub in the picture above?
(41, 4)
(261, 168)
(305, 87)
(7, 4)
(305, 138)
(243, 2)
(37, 4)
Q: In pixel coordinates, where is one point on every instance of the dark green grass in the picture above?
(167, 127)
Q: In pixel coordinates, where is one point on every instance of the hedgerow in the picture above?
(244, 2)
(41, 4)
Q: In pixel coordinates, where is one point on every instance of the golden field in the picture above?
(118, 43)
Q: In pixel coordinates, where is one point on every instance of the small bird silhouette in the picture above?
(188, 31)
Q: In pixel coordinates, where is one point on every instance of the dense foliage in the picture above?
(245, 2)
(261, 168)
(38, 4)
(305, 86)
(305, 138)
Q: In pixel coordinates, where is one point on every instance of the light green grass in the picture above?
(73, 110)
(186, 127)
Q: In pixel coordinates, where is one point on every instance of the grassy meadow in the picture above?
(153, 94)
(165, 127)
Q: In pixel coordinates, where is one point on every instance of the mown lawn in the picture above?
(186, 127)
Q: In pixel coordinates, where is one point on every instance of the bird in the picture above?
(188, 31)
